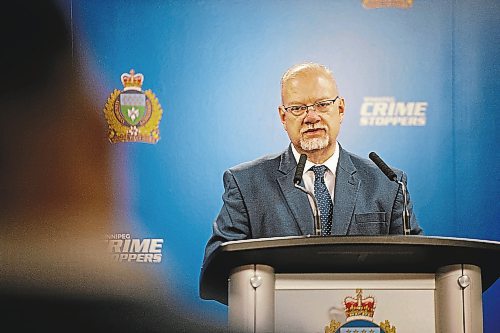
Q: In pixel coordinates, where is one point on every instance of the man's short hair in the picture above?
(305, 68)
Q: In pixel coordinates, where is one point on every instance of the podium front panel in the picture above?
(312, 302)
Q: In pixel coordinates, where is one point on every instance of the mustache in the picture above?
(308, 127)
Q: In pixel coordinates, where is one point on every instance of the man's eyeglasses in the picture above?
(320, 107)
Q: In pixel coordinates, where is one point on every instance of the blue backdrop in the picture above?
(215, 67)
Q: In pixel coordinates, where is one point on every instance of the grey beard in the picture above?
(314, 143)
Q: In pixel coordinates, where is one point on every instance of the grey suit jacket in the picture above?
(261, 201)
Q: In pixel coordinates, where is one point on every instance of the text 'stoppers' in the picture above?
(133, 115)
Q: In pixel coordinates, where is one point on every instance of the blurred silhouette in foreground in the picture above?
(56, 203)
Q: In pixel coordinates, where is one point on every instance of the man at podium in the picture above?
(354, 197)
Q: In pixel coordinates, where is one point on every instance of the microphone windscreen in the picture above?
(382, 166)
(300, 169)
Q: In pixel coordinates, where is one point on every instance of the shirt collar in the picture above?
(330, 163)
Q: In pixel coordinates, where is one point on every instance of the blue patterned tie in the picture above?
(324, 199)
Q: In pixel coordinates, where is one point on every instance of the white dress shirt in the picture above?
(308, 175)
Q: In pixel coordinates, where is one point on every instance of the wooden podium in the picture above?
(302, 284)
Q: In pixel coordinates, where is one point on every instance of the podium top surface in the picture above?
(348, 254)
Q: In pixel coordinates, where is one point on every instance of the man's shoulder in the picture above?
(270, 161)
(366, 166)
(361, 163)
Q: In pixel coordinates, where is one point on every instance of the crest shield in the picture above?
(132, 107)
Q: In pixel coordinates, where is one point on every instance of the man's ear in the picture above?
(341, 109)
(281, 111)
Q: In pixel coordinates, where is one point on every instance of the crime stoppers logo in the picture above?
(386, 111)
(124, 248)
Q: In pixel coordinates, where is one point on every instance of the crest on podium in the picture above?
(359, 313)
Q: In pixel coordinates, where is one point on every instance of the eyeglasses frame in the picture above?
(287, 108)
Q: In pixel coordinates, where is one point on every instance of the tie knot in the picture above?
(319, 170)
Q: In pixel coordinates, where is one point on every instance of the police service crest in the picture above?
(359, 313)
(133, 115)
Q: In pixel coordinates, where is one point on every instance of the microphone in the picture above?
(296, 181)
(300, 169)
(392, 177)
(382, 166)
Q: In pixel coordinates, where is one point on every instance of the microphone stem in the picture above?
(406, 214)
(316, 213)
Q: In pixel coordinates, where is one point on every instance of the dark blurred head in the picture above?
(36, 40)
(53, 148)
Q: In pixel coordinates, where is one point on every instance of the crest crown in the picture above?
(132, 81)
(359, 306)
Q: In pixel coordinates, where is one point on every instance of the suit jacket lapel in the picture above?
(346, 190)
(296, 200)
